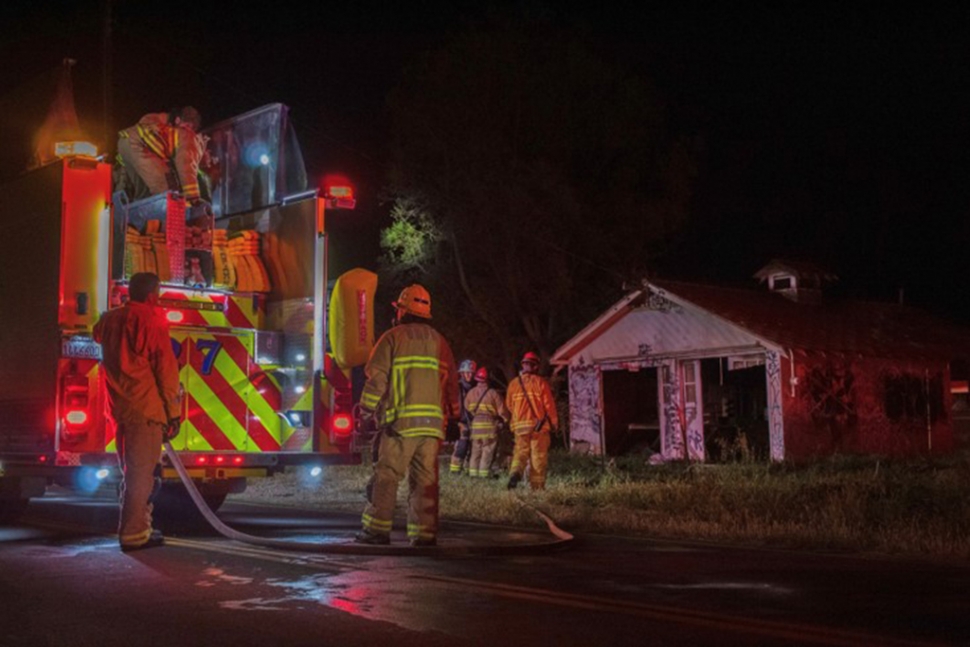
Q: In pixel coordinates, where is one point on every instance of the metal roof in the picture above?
(721, 319)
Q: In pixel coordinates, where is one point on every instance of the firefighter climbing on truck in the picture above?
(162, 152)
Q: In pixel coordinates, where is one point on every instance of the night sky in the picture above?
(823, 133)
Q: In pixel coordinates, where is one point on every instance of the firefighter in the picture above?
(466, 382)
(411, 393)
(142, 378)
(162, 152)
(487, 411)
(534, 416)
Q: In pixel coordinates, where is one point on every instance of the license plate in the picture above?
(80, 349)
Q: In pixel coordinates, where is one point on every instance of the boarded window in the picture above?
(911, 397)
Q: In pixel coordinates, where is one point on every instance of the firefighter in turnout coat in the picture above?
(142, 379)
(411, 394)
(466, 382)
(162, 152)
(534, 416)
(487, 411)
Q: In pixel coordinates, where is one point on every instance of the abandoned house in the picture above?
(783, 371)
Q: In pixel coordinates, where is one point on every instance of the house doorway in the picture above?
(631, 416)
(735, 408)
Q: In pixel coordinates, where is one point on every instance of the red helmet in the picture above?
(530, 357)
(481, 375)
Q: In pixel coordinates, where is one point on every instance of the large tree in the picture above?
(530, 177)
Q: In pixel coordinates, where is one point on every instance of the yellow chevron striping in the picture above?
(247, 310)
(196, 441)
(218, 411)
(234, 375)
(215, 319)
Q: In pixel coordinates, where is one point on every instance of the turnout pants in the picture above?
(532, 449)
(142, 165)
(460, 455)
(139, 448)
(483, 451)
(417, 457)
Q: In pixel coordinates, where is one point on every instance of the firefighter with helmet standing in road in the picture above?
(466, 382)
(411, 394)
(142, 376)
(487, 410)
(534, 417)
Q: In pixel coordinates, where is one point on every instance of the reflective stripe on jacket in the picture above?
(487, 408)
(524, 419)
(412, 384)
(139, 365)
(176, 144)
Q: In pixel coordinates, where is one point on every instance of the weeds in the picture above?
(915, 507)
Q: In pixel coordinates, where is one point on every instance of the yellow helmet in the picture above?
(414, 300)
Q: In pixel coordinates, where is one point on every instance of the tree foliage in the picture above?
(539, 174)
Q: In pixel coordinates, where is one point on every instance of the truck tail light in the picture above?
(76, 417)
(342, 424)
(75, 405)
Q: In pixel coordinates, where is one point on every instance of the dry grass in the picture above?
(918, 507)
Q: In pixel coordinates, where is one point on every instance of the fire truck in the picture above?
(267, 345)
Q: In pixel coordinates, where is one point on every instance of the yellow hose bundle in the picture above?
(162, 260)
(244, 255)
(223, 268)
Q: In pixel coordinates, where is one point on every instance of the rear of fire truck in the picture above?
(244, 292)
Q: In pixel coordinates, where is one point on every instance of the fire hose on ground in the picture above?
(562, 537)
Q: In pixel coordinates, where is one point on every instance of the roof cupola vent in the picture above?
(796, 280)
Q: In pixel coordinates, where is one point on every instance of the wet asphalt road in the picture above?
(63, 581)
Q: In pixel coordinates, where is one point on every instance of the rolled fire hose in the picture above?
(300, 546)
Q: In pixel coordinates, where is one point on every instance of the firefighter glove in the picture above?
(171, 429)
(366, 422)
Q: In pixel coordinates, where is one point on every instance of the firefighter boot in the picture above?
(419, 542)
(372, 538)
(155, 539)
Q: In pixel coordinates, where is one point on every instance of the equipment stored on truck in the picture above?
(245, 294)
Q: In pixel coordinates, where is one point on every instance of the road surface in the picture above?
(63, 581)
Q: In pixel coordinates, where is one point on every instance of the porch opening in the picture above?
(631, 417)
(735, 409)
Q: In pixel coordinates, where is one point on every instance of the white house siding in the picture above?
(776, 420)
(585, 408)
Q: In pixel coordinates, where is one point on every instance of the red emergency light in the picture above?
(338, 192)
(342, 423)
(237, 460)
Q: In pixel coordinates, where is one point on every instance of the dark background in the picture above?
(823, 132)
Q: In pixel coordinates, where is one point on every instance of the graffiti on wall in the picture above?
(776, 421)
(691, 404)
(681, 419)
(657, 300)
(831, 399)
(671, 432)
(585, 417)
